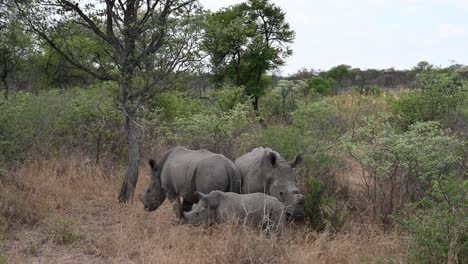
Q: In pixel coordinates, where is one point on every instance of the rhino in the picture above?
(181, 172)
(265, 170)
(256, 209)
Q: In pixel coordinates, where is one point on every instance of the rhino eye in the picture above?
(281, 193)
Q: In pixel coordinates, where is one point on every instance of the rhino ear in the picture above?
(153, 164)
(271, 157)
(297, 160)
(201, 195)
(214, 199)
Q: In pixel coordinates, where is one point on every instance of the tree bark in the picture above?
(131, 174)
(4, 81)
(7, 90)
(255, 105)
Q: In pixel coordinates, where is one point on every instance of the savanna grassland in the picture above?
(67, 213)
(90, 92)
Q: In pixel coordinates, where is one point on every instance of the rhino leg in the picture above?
(176, 205)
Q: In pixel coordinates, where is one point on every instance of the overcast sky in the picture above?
(373, 33)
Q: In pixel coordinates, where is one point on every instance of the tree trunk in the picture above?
(255, 105)
(98, 147)
(4, 81)
(257, 113)
(131, 173)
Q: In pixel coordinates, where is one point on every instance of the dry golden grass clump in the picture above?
(66, 211)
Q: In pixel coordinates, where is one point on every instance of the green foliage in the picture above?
(63, 232)
(423, 66)
(319, 85)
(319, 121)
(15, 46)
(322, 208)
(439, 224)
(216, 131)
(228, 97)
(91, 114)
(285, 140)
(375, 90)
(246, 40)
(438, 97)
(400, 168)
(27, 123)
(315, 127)
(338, 73)
(171, 105)
(44, 124)
(283, 99)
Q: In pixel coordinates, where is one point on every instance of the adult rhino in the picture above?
(264, 170)
(182, 172)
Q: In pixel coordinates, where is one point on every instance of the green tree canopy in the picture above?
(245, 41)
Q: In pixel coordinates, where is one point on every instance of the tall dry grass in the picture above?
(40, 194)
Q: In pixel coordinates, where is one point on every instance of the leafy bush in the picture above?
(216, 131)
(228, 97)
(63, 232)
(56, 120)
(315, 132)
(282, 100)
(322, 208)
(172, 105)
(400, 168)
(320, 85)
(438, 97)
(27, 124)
(91, 114)
(439, 223)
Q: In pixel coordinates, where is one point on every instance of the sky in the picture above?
(376, 34)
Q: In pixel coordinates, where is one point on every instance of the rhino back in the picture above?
(179, 168)
(255, 208)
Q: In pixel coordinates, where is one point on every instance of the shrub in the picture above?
(315, 132)
(375, 90)
(320, 85)
(56, 120)
(171, 105)
(439, 223)
(216, 131)
(228, 97)
(90, 114)
(27, 124)
(281, 101)
(437, 97)
(63, 232)
(400, 168)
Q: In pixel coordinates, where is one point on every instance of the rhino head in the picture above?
(154, 195)
(281, 184)
(202, 213)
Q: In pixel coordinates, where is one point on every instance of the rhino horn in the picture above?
(201, 195)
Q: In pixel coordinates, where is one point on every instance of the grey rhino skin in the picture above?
(264, 170)
(181, 172)
(257, 209)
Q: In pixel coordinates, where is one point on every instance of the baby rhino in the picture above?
(257, 209)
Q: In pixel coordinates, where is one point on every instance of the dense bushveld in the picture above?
(384, 174)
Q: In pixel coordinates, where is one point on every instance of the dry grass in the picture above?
(42, 194)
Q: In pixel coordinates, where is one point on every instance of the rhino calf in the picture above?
(257, 209)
